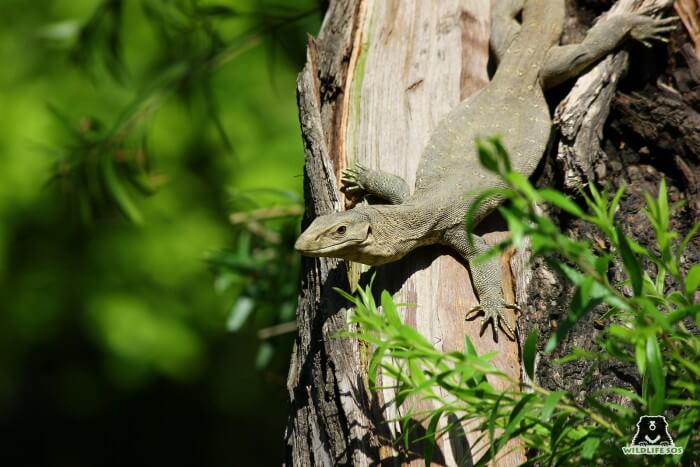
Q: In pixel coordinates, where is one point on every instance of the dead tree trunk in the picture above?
(377, 80)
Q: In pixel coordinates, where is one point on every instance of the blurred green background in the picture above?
(150, 185)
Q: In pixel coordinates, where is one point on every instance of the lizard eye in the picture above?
(341, 230)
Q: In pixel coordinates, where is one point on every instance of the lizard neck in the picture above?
(542, 25)
(396, 230)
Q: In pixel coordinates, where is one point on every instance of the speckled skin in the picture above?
(449, 176)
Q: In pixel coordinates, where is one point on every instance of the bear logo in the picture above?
(652, 430)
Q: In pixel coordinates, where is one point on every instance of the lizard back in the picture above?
(512, 105)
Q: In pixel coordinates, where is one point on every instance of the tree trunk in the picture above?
(377, 80)
(631, 121)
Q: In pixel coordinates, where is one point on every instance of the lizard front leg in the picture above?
(359, 179)
(486, 278)
(568, 61)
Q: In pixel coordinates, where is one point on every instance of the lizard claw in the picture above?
(352, 179)
(492, 312)
(646, 28)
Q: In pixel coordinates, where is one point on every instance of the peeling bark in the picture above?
(580, 117)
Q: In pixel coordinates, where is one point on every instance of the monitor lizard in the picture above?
(449, 175)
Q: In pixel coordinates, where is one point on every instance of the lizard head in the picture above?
(347, 235)
(337, 235)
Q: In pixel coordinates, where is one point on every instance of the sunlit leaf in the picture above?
(692, 280)
(550, 403)
(656, 371)
(632, 267)
(529, 354)
(561, 201)
(265, 353)
(590, 446)
(240, 312)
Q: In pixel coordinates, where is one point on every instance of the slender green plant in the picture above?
(261, 270)
(105, 163)
(648, 315)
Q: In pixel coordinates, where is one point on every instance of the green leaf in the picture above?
(678, 299)
(265, 354)
(559, 430)
(581, 303)
(590, 446)
(346, 295)
(493, 155)
(692, 280)
(602, 264)
(560, 200)
(614, 202)
(634, 271)
(487, 156)
(240, 312)
(117, 191)
(684, 244)
(430, 438)
(469, 348)
(61, 31)
(656, 372)
(493, 194)
(521, 409)
(516, 225)
(390, 310)
(529, 354)
(550, 404)
(501, 153)
(662, 201)
(521, 183)
(640, 356)
(633, 396)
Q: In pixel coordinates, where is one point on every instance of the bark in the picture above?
(645, 128)
(580, 117)
(329, 421)
(377, 80)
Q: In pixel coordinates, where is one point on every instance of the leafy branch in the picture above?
(194, 39)
(647, 331)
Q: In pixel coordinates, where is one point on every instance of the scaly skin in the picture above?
(449, 175)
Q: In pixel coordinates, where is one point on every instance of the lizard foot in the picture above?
(648, 28)
(352, 180)
(492, 312)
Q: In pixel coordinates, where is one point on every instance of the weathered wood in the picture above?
(417, 60)
(378, 79)
(580, 117)
(689, 13)
(328, 421)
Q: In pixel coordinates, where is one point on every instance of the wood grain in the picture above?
(417, 60)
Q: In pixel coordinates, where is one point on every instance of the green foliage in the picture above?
(263, 268)
(111, 330)
(103, 165)
(647, 314)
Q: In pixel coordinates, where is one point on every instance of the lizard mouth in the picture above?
(326, 249)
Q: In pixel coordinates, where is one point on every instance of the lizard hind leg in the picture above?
(360, 180)
(486, 278)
